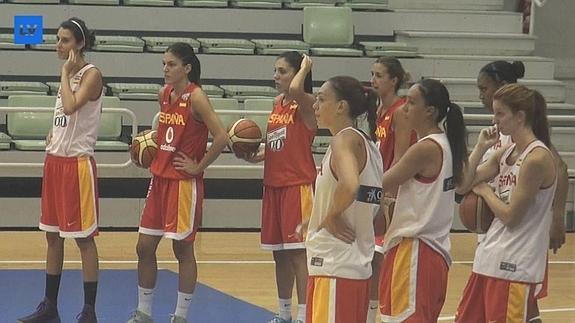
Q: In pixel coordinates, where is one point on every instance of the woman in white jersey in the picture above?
(511, 259)
(340, 240)
(69, 184)
(413, 279)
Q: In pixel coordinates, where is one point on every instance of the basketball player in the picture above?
(340, 240)
(492, 77)
(511, 260)
(69, 183)
(413, 279)
(289, 174)
(394, 137)
(174, 204)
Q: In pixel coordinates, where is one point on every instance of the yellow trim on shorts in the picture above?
(321, 299)
(185, 203)
(306, 201)
(400, 278)
(87, 194)
(517, 302)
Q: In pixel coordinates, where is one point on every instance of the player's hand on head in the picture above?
(71, 62)
(184, 163)
(306, 63)
(337, 226)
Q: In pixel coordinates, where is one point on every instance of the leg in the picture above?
(187, 275)
(89, 254)
(285, 277)
(299, 265)
(374, 287)
(147, 264)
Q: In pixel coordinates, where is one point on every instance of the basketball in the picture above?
(245, 136)
(144, 147)
(474, 213)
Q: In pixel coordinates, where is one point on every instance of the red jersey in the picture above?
(178, 131)
(288, 157)
(386, 135)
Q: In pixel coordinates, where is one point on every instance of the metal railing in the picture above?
(122, 111)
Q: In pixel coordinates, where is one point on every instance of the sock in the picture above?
(184, 301)
(90, 289)
(301, 312)
(285, 309)
(372, 310)
(52, 287)
(145, 297)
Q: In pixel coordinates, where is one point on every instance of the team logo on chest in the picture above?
(276, 139)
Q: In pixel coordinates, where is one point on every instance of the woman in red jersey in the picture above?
(289, 174)
(174, 204)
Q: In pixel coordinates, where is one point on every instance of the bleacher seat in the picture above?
(562, 138)
(242, 92)
(8, 88)
(329, 31)
(320, 144)
(48, 43)
(213, 91)
(7, 42)
(54, 87)
(119, 44)
(95, 2)
(29, 129)
(34, 1)
(150, 3)
(366, 4)
(226, 46)
(226, 104)
(389, 49)
(259, 105)
(160, 44)
(276, 46)
(203, 3)
(300, 4)
(262, 4)
(156, 121)
(135, 91)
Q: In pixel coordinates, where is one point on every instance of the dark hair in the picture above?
(294, 60)
(395, 70)
(531, 102)
(185, 52)
(81, 33)
(435, 94)
(504, 72)
(361, 100)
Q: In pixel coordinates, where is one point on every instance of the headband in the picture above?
(81, 30)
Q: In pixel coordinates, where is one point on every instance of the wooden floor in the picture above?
(234, 264)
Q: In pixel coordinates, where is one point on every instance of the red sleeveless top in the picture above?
(178, 131)
(288, 157)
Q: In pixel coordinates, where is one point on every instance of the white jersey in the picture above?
(518, 252)
(504, 141)
(326, 254)
(424, 208)
(75, 135)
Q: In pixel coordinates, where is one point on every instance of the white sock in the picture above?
(184, 301)
(301, 312)
(145, 297)
(372, 311)
(285, 309)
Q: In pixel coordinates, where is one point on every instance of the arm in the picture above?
(304, 100)
(533, 175)
(345, 163)
(472, 174)
(90, 87)
(204, 112)
(557, 233)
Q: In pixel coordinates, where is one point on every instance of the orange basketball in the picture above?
(245, 136)
(144, 147)
(474, 213)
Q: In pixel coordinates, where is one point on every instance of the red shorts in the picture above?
(283, 209)
(336, 300)
(70, 196)
(412, 283)
(173, 208)
(487, 299)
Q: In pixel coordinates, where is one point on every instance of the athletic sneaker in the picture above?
(88, 315)
(298, 321)
(139, 317)
(177, 319)
(278, 319)
(46, 312)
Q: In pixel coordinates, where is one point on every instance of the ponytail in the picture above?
(540, 125)
(371, 100)
(456, 134)
(185, 52)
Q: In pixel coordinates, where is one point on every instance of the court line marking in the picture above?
(550, 310)
(246, 262)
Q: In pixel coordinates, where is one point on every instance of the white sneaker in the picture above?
(177, 319)
(140, 317)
